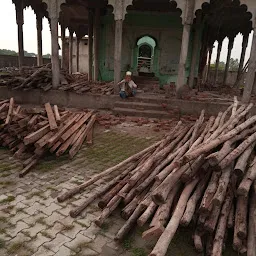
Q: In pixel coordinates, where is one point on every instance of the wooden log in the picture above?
(63, 148)
(51, 117)
(220, 194)
(67, 126)
(83, 186)
(251, 240)
(56, 114)
(247, 181)
(193, 201)
(198, 241)
(130, 208)
(240, 229)
(222, 224)
(75, 127)
(32, 121)
(89, 138)
(212, 220)
(206, 206)
(78, 144)
(4, 107)
(155, 231)
(28, 161)
(147, 214)
(197, 127)
(242, 161)
(35, 136)
(130, 223)
(10, 111)
(28, 168)
(231, 215)
(237, 151)
(162, 244)
(208, 146)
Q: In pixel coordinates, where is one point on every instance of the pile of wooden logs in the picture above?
(32, 133)
(201, 175)
(41, 78)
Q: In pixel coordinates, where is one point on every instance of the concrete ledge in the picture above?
(71, 99)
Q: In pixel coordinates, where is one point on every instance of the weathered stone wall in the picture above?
(12, 61)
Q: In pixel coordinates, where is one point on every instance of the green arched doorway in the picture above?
(145, 55)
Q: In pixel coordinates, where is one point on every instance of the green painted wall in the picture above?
(166, 29)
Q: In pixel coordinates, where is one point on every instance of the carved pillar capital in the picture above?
(53, 7)
(120, 7)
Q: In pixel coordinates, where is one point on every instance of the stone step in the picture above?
(142, 113)
(149, 98)
(138, 105)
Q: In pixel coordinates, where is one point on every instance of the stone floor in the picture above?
(32, 222)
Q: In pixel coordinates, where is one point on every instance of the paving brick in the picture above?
(75, 244)
(42, 251)
(71, 230)
(48, 201)
(50, 209)
(19, 216)
(33, 231)
(54, 230)
(40, 240)
(63, 251)
(57, 242)
(99, 243)
(20, 225)
(88, 252)
(34, 209)
(66, 209)
(53, 218)
(91, 232)
(31, 220)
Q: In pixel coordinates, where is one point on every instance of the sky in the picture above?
(9, 37)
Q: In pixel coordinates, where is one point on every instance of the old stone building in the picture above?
(168, 40)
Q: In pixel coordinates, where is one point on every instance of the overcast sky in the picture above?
(8, 32)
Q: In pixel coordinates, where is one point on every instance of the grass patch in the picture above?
(14, 248)
(26, 233)
(138, 252)
(3, 219)
(5, 167)
(2, 243)
(4, 175)
(6, 183)
(127, 243)
(36, 193)
(7, 200)
(105, 227)
(77, 182)
(52, 188)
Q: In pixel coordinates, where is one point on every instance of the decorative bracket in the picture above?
(53, 7)
(120, 7)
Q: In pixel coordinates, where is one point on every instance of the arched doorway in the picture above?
(145, 59)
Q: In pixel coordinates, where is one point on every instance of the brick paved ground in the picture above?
(32, 222)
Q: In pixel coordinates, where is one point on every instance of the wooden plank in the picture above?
(56, 113)
(51, 117)
(42, 124)
(10, 111)
(35, 136)
(75, 127)
(4, 107)
(66, 144)
(55, 146)
(56, 137)
(39, 151)
(33, 121)
(28, 168)
(77, 145)
(17, 110)
(79, 134)
(3, 101)
(43, 141)
(89, 137)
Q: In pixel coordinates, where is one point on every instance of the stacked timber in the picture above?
(41, 78)
(202, 175)
(32, 133)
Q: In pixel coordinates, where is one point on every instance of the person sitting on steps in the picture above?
(127, 86)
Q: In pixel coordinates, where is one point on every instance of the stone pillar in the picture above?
(96, 28)
(77, 53)
(55, 53)
(118, 51)
(90, 45)
(251, 71)
(196, 48)
(53, 8)
(70, 63)
(63, 48)
(230, 47)
(20, 22)
(217, 61)
(39, 23)
(183, 59)
(241, 64)
(209, 64)
(119, 16)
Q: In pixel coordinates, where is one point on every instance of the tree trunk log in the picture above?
(147, 214)
(162, 244)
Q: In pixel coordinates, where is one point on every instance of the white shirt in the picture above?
(131, 84)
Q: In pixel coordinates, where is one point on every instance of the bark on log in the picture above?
(251, 240)
(162, 244)
(147, 214)
(83, 186)
(212, 220)
(241, 217)
(28, 168)
(193, 201)
(198, 241)
(246, 183)
(231, 215)
(242, 161)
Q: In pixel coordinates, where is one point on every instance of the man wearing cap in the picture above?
(127, 86)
